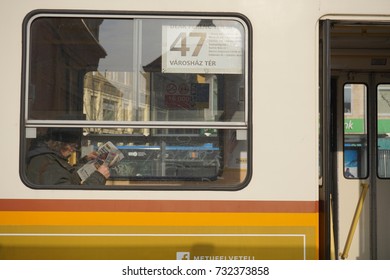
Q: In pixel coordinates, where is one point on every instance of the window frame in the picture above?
(27, 125)
(347, 148)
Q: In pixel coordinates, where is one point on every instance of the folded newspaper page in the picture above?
(107, 154)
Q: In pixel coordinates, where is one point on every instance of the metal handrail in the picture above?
(355, 221)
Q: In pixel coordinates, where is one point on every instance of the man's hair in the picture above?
(56, 146)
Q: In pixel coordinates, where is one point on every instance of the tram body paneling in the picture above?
(257, 184)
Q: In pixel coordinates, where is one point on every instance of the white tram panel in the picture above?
(284, 97)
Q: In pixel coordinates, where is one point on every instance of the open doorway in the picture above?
(355, 130)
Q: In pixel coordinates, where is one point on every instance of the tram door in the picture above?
(359, 110)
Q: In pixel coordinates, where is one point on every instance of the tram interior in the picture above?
(101, 72)
(360, 109)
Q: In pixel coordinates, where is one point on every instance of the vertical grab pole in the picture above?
(355, 221)
(327, 143)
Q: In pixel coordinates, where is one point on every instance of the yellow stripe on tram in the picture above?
(157, 219)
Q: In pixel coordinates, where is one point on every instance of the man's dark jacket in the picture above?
(46, 167)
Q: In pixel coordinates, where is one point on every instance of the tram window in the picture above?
(383, 130)
(171, 94)
(355, 132)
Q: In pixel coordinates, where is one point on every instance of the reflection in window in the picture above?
(109, 110)
(355, 132)
(170, 93)
(383, 144)
(347, 99)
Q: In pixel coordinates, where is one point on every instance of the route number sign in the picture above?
(202, 50)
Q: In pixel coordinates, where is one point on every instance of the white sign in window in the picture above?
(201, 49)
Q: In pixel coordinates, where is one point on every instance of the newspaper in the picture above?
(107, 154)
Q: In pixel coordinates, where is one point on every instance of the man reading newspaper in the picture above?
(107, 155)
(48, 159)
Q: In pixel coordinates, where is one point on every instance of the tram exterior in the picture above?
(221, 151)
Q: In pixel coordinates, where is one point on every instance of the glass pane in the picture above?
(209, 159)
(132, 70)
(136, 70)
(383, 131)
(355, 131)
